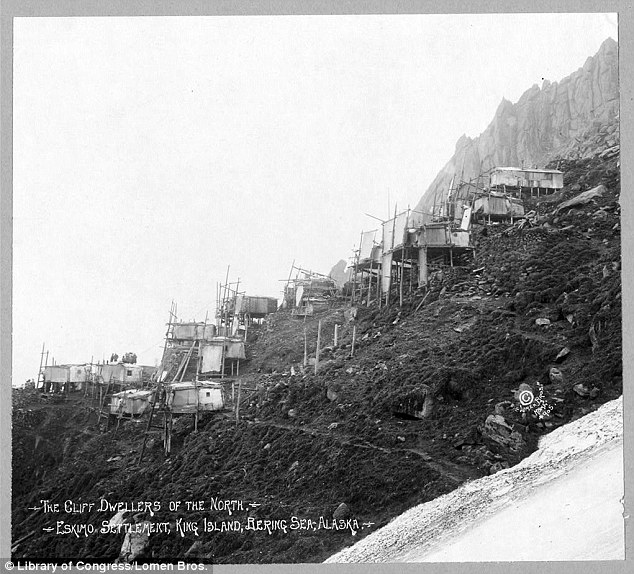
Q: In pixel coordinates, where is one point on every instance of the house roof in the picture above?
(133, 393)
(191, 385)
(532, 170)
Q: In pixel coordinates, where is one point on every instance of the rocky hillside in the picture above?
(538, 510)
(426, 398)
(574, 118)
(539, 304)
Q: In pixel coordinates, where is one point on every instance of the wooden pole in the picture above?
(99, 411)
(196, 385)
(185, 362)
(379, 282)
(288, 281)
(400, 286)
(387, 295)
(318, 343)
(422, 266)
(224, 302)
(167, 334)
(354, 338)
(369, 294)
(305, 347)
(224, 352)
(165, 434)
(377, 288)
(350, 281)
(39, 373)
(336, 334)
(238, 403)
(353, 273)
(357, 258)
(86, 382)
(169, 433)
(217, 301)
(46, 365)
(234, 316)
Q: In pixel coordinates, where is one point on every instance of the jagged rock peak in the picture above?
(575, 117)
(338, 273)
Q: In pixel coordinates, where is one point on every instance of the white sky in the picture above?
(150, 153)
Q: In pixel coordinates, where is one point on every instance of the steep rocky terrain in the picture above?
(564, 502)
(540, 303)
(426, 399)
(577, 117)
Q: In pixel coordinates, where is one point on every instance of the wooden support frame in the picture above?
(400, 283)
(318, 344)
(354, 339)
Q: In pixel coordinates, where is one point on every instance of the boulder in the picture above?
(585, 391)
(428, 406)
(502, 408)
(342, 512)
(419, 403)
(562, 354)
(542, 321)
(600, 214)
(135, 542)
(498, 430)
(556, 376)
(582, 198)
(497, 467)
(333, 390)
(594, 339)
(350, 315)
(194, 548)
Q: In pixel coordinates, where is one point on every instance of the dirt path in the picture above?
(446, 469)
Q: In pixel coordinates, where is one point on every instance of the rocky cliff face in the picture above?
(338, 273)
(577, 117)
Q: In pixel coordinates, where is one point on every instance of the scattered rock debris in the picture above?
(426, 403)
